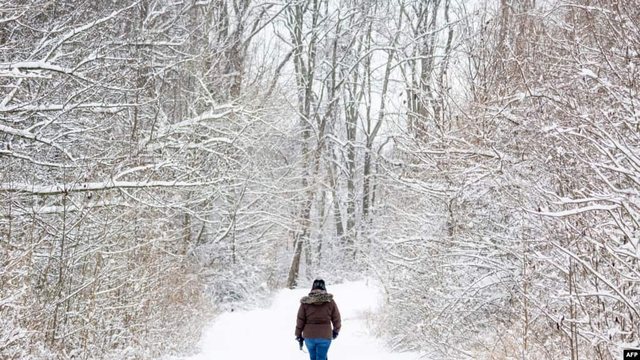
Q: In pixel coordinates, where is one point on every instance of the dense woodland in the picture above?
(161, 160)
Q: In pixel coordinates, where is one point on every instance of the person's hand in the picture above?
(300, 340)
(335, 334)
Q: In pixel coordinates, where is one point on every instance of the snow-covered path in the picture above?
(268, 333)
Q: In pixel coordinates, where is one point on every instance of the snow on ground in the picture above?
(269, 333)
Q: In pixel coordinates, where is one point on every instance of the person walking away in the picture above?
(318, 321)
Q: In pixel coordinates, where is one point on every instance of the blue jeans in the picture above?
(318, 348)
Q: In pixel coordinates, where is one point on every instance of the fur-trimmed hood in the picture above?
(317, 297)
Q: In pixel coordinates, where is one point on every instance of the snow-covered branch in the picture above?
(99, 186)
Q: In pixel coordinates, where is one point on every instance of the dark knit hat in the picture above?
(318, 284)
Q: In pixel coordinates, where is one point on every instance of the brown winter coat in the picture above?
(316, 314)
